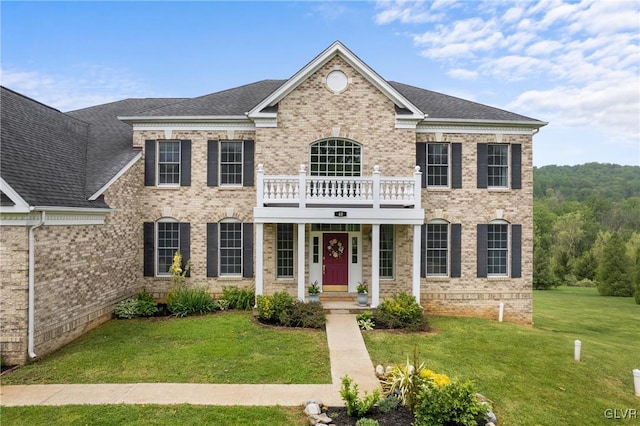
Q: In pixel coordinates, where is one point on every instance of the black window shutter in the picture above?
(482, 250)
(482, 165)
(212, 249)
(150, 163)
(421, 160)
(423, 250)
(185, 244)
(516, 251)
(247, 250)
(516, 166)
(456, 250)
(248, 160)
(456, 165)
(212, 164)
(149, 255)
(185, 163)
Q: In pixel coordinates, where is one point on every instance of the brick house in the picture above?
(335, 175)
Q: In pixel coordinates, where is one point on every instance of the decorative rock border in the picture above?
(315, 416)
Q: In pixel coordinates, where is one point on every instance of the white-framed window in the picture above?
(497, 165)
(167, 244)
(335, 157)
(230, 244)
(438, 165)
(231, 160)
(386, 251)
(437, 251)
(284, 251)
(497, 249)
(168, 163)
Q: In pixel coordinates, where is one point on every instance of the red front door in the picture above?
(335, 262)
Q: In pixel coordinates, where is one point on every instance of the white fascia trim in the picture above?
(182, 119)
(475, 121)
(56, 216)
(21, 206)
(327, 215)
(319, 61)
(116, 177)
(479, 126)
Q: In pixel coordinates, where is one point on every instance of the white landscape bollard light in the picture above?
(501, 312)
(636, 381)
(576, 350)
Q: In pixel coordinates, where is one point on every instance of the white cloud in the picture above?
(86, 86)
(407, 12)
(575, 63)
(462, 74)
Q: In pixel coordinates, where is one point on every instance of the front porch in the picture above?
(350, 211)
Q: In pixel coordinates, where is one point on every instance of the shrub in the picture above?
(451, 404)
(282, 303)
(183, 301)
(367, 422)
(402, 311)
(222, 304)
(357, 407)
(307, 315)
(388, 404)
(126, 309)
(239, 298)
(264, 306)
(147, 307)
(365, 320)
(141, 306)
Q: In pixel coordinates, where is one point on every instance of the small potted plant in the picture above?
(363, 296)
(314, 292)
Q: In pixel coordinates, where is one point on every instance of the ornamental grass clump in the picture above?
(239, 298)
(184, 301)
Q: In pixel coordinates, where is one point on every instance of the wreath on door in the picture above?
(335, 248)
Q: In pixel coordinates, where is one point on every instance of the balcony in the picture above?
(303, 191)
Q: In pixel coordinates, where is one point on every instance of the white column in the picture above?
(301, 262)
(376, 187)
(260, 186)
(416, 262)
(302, 187)
(259, 258)
(375, 265)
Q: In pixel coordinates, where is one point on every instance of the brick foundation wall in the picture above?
(81, 272)
(14, 276)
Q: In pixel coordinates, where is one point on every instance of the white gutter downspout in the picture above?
(32, 296)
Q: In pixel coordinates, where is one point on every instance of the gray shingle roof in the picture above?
(234, 101)
(110, 147)
(438, 105)
(43, 153)
(60, 159)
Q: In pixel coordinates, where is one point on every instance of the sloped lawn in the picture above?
(225, 347)
(529, 372)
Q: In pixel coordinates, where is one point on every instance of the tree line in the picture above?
(587, 227)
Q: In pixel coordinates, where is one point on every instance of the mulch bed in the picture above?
(398, 417)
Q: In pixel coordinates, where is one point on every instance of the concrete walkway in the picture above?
(348, 355)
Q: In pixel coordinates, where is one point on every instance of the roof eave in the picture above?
(182, 119)
(461, 121)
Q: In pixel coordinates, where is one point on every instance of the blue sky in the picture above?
(573, 64)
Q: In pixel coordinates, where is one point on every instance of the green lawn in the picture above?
(529, 372)
(226, 347)
(145, 415)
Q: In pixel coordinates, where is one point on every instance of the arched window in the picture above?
(335, 157)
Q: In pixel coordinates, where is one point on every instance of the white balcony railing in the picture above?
(374, 191)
